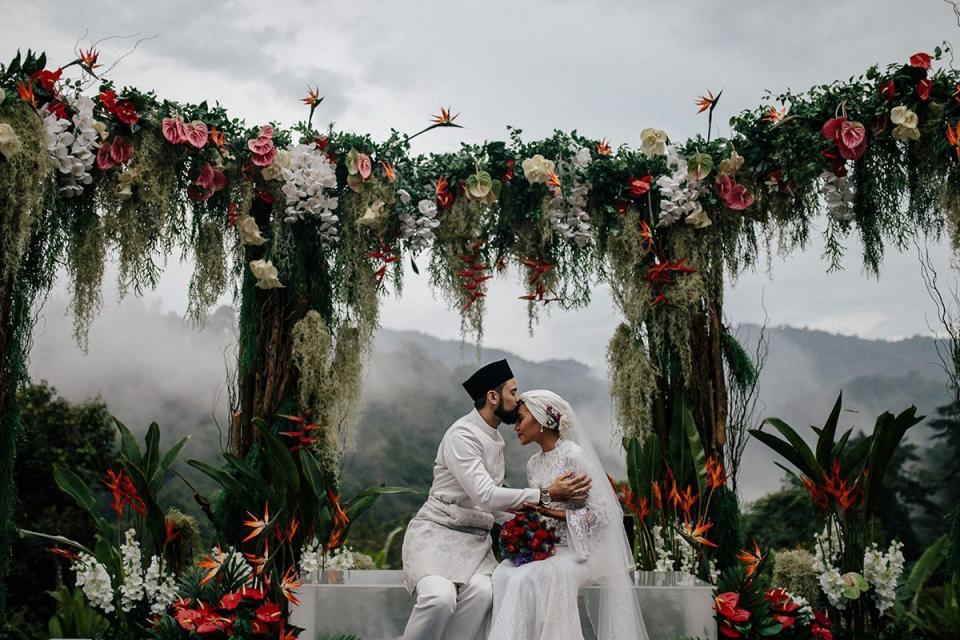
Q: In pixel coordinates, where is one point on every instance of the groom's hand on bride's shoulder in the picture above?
(569, 486)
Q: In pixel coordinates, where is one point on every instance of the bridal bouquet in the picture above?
(527, 537)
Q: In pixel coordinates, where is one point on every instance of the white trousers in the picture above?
(445, 612)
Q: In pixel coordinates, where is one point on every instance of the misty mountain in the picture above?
(148, 366)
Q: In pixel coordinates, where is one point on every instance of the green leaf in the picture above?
(413, 265)
(128, 444)
(252, 478)
(313, 474)
(26, 533)
(152, 451)
(71, 484)
(282, 467)
(924, 569)
(231, 485)
(160, 472)
(697, 453)
(802, 456)
(827, 435)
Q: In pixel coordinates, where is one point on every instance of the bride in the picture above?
(538, 600)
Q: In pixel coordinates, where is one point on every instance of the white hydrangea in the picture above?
(93, 578)
(417, 225)
(131, 591)
(311, 557)
(309, 185)
(679, 193)
(838, 194)
(160, 588)
(341, 558)
(883, 571)
(73, 150)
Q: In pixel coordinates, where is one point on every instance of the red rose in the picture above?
(126, 113)
(923, 89)
(639, 186)
(109, 100)
(920, 61)
(511, 548)
(541, 534)
(888, 90)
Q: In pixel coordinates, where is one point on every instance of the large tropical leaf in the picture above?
(234, 488)
(313, 474)
(61, 540)
(697, 454)
(826, 435)
(283, 469)
(783, 448)
(887, 435)
(924, 569)
(151, 454)
(160, 472)
(73, 486)
(795, 449)
(128, 444)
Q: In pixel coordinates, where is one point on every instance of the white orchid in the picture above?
(310, 182)
(249, 231)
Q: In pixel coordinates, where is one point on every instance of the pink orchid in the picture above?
(174, 130)
(197, 134)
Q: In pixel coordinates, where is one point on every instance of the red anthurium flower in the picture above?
(726, 604)
(733, 194)
(108, 99)
(831, 128)
(852, 140)
(784, 607)
(126, 112)
(888, 90)
(953, 137)
(639, 186)
(46, 79)
(268, 612)
(923, 89)
(230, 601)
(920, 61)
(58, 108)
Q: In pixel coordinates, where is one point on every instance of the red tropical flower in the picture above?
(953, 137)
(313, 97)
(920, 61)
(716, 475)
(108, 99)
(639, 186)
(727, 605)
(46, 79)
(25, 91)
(923, 89)
(698, 532)
(214, 563)
(707, 102)
(751, 560)
(268, 612)
(340, 521)
(603, 148)
(289, 584)
(126, 112)
(888, 90)
(444, 119)
(784, 608)
(443, 194)
(88, 58)
(257, 525)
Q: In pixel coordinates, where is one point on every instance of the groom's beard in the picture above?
(507, 417)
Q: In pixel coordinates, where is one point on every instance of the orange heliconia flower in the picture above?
(257, 525)
(776, 116)
(389, 171)
(289, 584)
(88, 58)
(25, 91)
(340, 521)
(218, 137)
(213, 563)
(716, 475)
(953, 136)
(603, 148)
(751, 560)
(698, 532)
(553, 180)
(444, 119)
(313, 97)
(707, 102)
(259, 562)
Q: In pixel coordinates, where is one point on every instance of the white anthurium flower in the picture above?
(731, 165)
(101, 129)
(699, 219)
(10, 144)
(582, 158)
(373, 216)
(404, 196)
(249, 231)
(266, 274)
(537, 168)
(906, 122)
(125, 181)
(653, 142)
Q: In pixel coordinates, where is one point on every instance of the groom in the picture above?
(447, 554)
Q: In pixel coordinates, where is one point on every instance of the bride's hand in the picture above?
(570, 487)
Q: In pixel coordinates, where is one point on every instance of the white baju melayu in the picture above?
(447, 553)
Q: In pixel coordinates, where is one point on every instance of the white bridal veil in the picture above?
(618, 616)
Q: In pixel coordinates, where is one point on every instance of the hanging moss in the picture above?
(632, 382)
(209, 280)
(86, 257)
(148, 224)
(23, 179)
(347, 373)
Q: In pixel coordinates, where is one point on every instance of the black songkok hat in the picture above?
(489, 377)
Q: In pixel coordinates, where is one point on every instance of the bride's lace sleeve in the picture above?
(585, 520)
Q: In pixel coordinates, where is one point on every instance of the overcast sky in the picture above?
(607, 69)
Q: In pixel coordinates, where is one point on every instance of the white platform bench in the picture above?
(373, 605)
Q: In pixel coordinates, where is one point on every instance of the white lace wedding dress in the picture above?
(539, 600)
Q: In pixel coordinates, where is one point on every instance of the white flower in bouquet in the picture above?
(249, 231)
(10, 144)
(310, 184)
(883, 572)
(688, 554)
(93, 579)
(73, 150)
(838, 194)
(311, 557)
(679, 194)
(131, 591)
(280, 162)
(537, 169)
(417, 227)
(906, 123)
(125, 181)
(581, 158)
(266, 274)
(341, 558)
(160, 588)
(373, 216)
(653, 142)
(664, 557)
